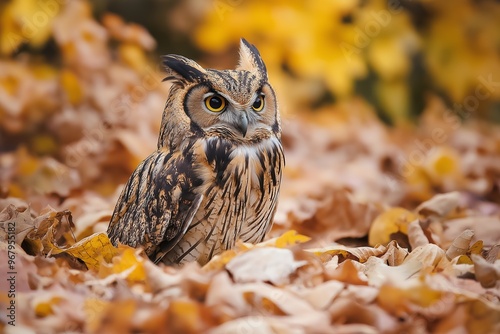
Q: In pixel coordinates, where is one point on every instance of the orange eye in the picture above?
(258, 104)
(215, 103)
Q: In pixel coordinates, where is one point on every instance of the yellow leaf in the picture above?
(390, 222)
(395, 98)
(130, 259)
(388, 58)
(94, 311)
(219, 261)
(43, 71)
(10, 84)
(25, 21)
(443, 166)
(133, 55)
(91, 250)
(399, 300)
(44, 307)
(71, 85)
(477, 247)
(464, 259)
(187, 316)
(287, 239)
(419, 184)
(43, 144)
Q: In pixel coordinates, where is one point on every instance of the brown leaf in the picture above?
(440, 205)
(485, 228)
(416, 235)
(349, 272)
(264, 264)
(322, 295)
(487, 273)
(460, 245)
(360, 254)
(16, 222)
(335, 215)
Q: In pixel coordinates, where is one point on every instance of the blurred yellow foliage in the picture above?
(71, 86)
(26, 21)
(333, 42)
(333, 45)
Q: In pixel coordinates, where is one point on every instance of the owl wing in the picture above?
(157, 204)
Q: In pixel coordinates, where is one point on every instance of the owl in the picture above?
(215, 176)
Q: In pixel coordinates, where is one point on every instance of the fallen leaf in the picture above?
(487, 273)
(400, 300)
(484, 228)
(361, 254)
(388, 223)
(416, 235)
(349, 272)
(460, 245)
(91, 250)
(287, 239)
(266, 264)
(322, 295)
(440, 205)
(18, 222)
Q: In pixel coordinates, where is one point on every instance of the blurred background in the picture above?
(399, 97)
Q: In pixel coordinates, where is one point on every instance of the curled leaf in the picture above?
(360, 254)
(486, 273)
(416, 235)
(440, 205)
(460, 245)
(389, 223)
(91, 250)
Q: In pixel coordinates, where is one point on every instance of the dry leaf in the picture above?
(440, 205)
(360, 254)
(389, 223)
(487, 273)
(416, 235)
(264, 264)
(287, 239)
(322, 295)
(18, 222)
(91, 250)
(460, 245)
(349, 272)
(485, 229)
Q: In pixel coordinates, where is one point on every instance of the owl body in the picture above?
(216, 174)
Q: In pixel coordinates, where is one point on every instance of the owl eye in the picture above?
(258, 104)
(215, 103)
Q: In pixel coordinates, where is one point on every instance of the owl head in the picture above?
(238, 105)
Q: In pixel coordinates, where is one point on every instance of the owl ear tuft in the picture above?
(250, 59)
(182, 69)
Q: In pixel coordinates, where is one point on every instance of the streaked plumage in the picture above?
(216, 174)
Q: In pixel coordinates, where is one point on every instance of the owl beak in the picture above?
(243, 124)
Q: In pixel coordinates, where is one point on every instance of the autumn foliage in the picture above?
(380, 228)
